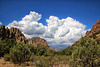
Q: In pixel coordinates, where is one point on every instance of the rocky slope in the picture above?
(17, 35)
(94, 33)
(95, 29)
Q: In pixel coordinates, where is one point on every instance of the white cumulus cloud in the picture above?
(57, 32)
(29, 25)
(0, 23)
(65, 31)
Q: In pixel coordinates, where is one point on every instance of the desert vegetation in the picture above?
(85, 53)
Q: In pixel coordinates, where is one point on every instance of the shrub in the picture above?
(40, 50)
(68, 51)
(39, 63)
(3, 49)
(7, 57)
(20, 53)
(86, 53)
(5, 46)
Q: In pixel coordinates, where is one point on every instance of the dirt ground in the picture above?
(8, 64)
(5, 63)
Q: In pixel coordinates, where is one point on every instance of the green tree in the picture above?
(5, 46)
(9, 42)
(49, 53)
(3, 49)
(67, 51)
(40, 50)
(86, 53)
(20, 53)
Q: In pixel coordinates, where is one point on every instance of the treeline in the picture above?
(85, 53)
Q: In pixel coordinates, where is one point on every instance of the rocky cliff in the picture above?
(95, 29)
(94, 33)
(17, 35)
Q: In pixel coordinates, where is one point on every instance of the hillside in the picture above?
(17, 35)
(86, 51)
(94, 33)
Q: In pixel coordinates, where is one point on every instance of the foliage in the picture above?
(68, 51)
(49, 53)
(20, 53)
(86, 53)
(98, 41)
(31, 48)
(7, 57)
(3, 49)
(40, 51)
(5, 46)
(9, 42)
(49, 61)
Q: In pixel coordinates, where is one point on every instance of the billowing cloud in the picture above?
(57, 32)
(0, 23)
(33, 16)
(29, 25)
(65, 31)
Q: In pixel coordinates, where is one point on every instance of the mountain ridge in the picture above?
(94, 33)
(17, 35)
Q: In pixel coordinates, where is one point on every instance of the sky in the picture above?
(60, 22)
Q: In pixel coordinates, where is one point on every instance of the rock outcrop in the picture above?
(17, 35)
(95, 29)
(37, 41)
(94, 33)
(12, 33)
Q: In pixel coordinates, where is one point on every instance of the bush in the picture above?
(20, 53)
(49, 53)
(3, 49)
(39, 63)
(7, 57)
(5, 46)
(9, 42)
(68, 51)
(40, 50)
(86, 53)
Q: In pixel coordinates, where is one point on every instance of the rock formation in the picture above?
(94, 33)
(37, 41)
(95, 29)
(17, 35)
(12, 33)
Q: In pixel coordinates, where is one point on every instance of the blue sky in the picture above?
(87, 12)
(60, 22)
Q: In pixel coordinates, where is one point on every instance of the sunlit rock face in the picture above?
(12, 33)
(95, 29)
(37, 41)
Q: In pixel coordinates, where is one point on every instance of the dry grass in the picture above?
(8, 64)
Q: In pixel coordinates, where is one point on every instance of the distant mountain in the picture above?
(59, 47)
